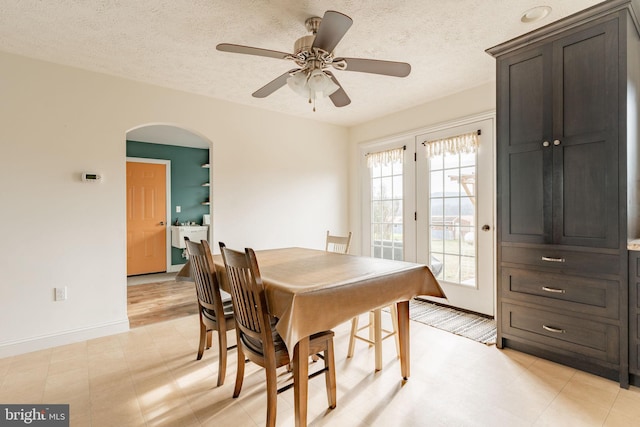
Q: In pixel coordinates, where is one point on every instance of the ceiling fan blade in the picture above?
(248, 50)
(273, 85)
(333, 27)
(339, 97)
(375, 66)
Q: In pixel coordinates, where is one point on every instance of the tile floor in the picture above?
(149, 377)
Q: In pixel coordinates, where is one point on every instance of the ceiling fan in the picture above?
(313, 54)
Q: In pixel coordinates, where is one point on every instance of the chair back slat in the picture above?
(245, 299)
(338, 244)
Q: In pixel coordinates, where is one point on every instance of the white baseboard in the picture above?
(13, 348)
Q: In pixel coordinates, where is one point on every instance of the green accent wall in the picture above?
(187, 177)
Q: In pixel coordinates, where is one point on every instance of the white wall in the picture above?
(277, 181)
(471, 102)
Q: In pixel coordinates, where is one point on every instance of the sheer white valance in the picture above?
(385, 157)
(465, 143)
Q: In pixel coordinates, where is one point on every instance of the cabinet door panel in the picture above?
(526, 91)
(585, 161)
(584, 86)
(524, 187)
(585, 192)
(526, 195)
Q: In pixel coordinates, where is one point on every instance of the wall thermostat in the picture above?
(91, 177)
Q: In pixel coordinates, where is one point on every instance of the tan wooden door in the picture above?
(146, 218)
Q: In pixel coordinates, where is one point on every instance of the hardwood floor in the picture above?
(160, 301)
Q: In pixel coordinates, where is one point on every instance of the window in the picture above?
(452, 228)
(387, 210)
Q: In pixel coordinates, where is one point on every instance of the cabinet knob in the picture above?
(545, 144)
(556, 142)
(161, 222)
(486, 227)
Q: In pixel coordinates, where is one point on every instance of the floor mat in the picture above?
(468, 325)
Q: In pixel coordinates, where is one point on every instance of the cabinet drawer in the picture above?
(580, 294)
(582, 262)
(562, 332)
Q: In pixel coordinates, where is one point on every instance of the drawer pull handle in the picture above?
(553, 290)
(553, 259)
(552, 329)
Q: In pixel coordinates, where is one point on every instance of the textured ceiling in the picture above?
(172, 43)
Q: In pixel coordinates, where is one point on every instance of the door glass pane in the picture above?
(387, 212)
(452, 229)
(437, 183)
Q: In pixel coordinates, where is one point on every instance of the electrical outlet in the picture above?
(61, 293)
(178, 209)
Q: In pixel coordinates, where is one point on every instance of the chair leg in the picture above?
(203, 337)
(352, 336)
(372, 328)
(222, 357)
(272, 394)
(330, 374)
(239, 371)
(209, 333)
(394, 320)
(377, 336)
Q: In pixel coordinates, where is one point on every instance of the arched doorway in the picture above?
(168, 178)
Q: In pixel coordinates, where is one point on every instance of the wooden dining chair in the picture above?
(214, 311)
(257, 337)
(341, 244)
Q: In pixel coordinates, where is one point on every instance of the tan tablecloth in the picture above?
(311, 290)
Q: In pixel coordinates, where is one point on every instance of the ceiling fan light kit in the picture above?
(313, 54)
(309, 83)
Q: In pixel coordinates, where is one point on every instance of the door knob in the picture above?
(486, 227)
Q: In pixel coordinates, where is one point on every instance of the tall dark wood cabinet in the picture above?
(566, 183)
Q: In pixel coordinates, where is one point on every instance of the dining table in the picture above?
(310, 291)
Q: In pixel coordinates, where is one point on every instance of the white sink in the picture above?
(193, 232)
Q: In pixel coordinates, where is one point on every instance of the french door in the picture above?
(454, 197)
(437, 211)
